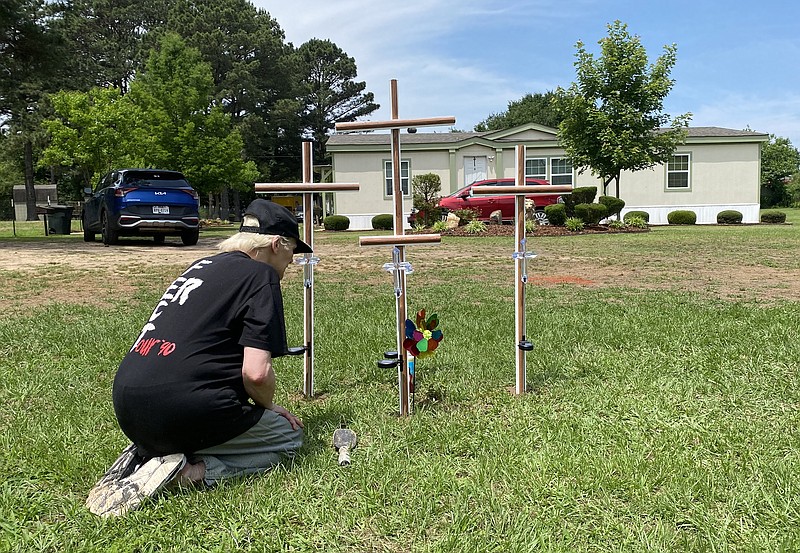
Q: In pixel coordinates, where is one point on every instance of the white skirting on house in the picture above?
(360, 221)
(706, 214)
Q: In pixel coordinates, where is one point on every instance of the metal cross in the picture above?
(520, 190)
(309, 260)
(398, 241)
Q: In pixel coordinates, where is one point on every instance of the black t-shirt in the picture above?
(180, 387)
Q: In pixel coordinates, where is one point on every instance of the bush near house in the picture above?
(614, 205)
(573, 224)
(580, 195)
(556, 214)
(682, 217)
(464, 216)
(384, 221)
(591, 214)
(336, 222)
(729, 217)
(773, 216)
(635, 222)
(645, 216)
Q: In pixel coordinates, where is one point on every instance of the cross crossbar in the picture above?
(400, 240)
(527, 190)
(306, 187)
(395, 124)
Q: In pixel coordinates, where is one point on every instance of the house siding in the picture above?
(725, 170)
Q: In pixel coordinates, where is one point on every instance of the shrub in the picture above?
(384, 221)
(643, 215)
(617, 224)
(428, 213)
(729, 217)
(591, 214)
(574, 224)
(580, 195)
(475, 227)
(336, 222)
(439, 226)
(613, 205)
(682, 217)
(773, 216)
(635, 222)
(556, 214)
(584, 194)
(530, 225)
(465, 216)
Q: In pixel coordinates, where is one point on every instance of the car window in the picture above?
(160, 180)
(103, 182)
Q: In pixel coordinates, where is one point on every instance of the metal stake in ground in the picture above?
(308, 260)
(398, 241)
(520, 190)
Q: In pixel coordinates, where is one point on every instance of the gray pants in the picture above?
(258, 449)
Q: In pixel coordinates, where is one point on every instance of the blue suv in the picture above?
(142, 202)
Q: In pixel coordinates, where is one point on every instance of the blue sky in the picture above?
(738, 61)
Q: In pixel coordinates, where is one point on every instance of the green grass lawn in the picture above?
(660, 417)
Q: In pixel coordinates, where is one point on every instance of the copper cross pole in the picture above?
(399, 266)
(520, 190)
(307, 188)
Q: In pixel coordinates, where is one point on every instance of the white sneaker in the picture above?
(119, 496)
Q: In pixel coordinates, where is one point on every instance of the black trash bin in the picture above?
(59, 219)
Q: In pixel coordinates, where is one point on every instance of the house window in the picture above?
(536, 168)
(678, 172)
(560, 171)
(388, 190)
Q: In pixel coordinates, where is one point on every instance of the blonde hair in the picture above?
(248, 242)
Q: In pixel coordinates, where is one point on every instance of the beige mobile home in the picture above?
(716, 169)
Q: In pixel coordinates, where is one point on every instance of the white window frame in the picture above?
(549, 175)
(678, 171)
(405, 179)
(531, 175)
(559, 176)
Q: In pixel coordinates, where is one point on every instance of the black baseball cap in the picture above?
(276, 220)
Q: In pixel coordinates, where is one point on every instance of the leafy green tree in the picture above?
(425, 193)
(613, 116)
(329, 92)
(30, 67)
(780, 162)
(108, 40)
(532, 108)
(168, 120)
(96, 131)
(193, 133)
(254, 74)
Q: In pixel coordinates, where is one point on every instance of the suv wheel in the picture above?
(540, 218)
(110, 236)
(190, 237)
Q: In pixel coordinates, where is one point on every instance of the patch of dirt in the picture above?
(73, 271)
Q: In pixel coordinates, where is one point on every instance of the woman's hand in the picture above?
(293, 419)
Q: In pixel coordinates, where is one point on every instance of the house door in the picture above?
(474, 169)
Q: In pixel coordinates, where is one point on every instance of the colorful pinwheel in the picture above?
(422, 339)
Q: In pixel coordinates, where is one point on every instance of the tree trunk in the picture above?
(237, 205)
(224, 204)
(30, 191)
(211, 206)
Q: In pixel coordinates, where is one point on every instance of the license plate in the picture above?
(162, 209)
